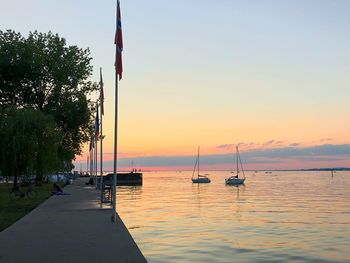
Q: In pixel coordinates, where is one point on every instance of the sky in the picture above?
(272, 76)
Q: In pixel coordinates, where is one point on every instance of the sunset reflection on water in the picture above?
(283, 216)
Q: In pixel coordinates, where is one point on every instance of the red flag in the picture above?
(118, 41)
(102, 97)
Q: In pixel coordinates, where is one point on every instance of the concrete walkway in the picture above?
(69, 228)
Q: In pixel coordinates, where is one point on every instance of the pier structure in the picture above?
(69, 228)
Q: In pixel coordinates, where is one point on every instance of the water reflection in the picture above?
(199, 194)
(173, 220)
(236, 189)
(132, 190)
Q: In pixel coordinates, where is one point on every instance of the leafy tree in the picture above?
(29, 142)
(12, 69)
(43, 73)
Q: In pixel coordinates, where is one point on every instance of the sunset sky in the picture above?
(270, 75)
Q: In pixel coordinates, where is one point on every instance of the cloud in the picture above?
(313, 153)
(251, 145)
(268, 143)
(294, 144)
(327, 152)
(225, 146)
(326, 140)
(258, 156)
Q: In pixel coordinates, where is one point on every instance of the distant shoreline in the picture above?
(308, 170)
(327, 169)
(253, 170)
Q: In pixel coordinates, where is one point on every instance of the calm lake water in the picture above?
(277, 217)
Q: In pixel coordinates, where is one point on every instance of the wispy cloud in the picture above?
(253, 145)
(320, 152)
(326, 152)
(268, 143)
(225, 146)
(258, 157)
(294, 144)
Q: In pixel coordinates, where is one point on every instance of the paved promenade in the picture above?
(69, 228)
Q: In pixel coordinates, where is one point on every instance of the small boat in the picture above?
(235, 180)
(201, 179)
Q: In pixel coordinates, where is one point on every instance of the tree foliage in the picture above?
(43, 73)
(29, 143)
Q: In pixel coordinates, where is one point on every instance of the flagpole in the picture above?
(96, 136)
(114, 183)
(101, 138)
(114, 188)
(96, 161)
(87, 164)
(91, 159)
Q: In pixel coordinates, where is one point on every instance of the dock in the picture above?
(126, 179)
(69, 228)
(123, 179)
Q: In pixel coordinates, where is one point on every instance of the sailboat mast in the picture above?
(198, 163)
(237, 169)
(195, 167)
(240, 161)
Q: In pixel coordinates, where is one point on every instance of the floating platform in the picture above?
(126, 178)
(123, 179)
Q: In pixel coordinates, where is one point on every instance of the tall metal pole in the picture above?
(87, 163)
(96, 164)
(114, 188)
(114, 183)
(198, 162)
(237, 159)
(101, 138)
(91, 159)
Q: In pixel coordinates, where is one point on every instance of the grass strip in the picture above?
(13, 210)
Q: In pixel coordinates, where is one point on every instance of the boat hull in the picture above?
(203, 180)
(234, 181)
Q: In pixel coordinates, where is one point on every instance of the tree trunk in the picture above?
(14, 164)
(39, 164)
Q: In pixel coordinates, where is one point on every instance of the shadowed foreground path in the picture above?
(69, 228)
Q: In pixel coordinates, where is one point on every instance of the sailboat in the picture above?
(200, 178)
(235, 180)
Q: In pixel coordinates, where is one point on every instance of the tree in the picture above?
(29, 142)
(12, 69)
(43, 73)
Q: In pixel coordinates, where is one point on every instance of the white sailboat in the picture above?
(200, 178)
(235, 180)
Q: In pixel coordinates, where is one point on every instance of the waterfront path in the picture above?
(69, 228)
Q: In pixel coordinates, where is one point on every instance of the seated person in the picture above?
(57, 188)
(90, 182)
